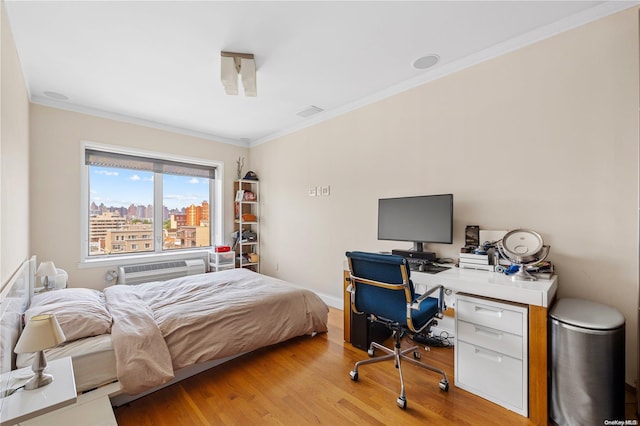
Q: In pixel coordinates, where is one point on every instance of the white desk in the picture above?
(538, 295)
(490, 284)
(26, 404)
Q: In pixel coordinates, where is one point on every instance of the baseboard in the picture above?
(334, 302)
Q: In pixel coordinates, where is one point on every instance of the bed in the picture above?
(150, 335)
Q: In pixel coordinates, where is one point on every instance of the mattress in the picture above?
(94, 362)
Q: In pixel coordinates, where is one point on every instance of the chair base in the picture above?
(398, 354)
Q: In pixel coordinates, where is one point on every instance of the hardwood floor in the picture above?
(306, 381)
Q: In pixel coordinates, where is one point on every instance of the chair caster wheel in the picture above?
(402, 402)
(371, 352)
(417, 354)
(354, 375)
(444, 385)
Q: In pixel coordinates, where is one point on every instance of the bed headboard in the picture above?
(14, 300)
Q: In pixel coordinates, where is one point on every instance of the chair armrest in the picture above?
(352, 291)
(416, 304)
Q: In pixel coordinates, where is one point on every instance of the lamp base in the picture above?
(39, 380)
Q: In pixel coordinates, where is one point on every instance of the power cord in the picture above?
(441, 341)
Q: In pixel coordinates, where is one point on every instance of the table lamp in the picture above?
(46, 269)
(42, 332)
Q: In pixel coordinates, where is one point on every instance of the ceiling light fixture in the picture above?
(426, 62)
(234, 64)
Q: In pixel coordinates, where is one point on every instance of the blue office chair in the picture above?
(381, 288)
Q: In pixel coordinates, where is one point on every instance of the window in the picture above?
(148, 203)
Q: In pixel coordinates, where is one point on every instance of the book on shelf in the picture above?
(478, 266)
(474, 256)
(475, 261)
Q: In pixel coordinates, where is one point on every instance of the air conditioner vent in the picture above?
(154, 266)
(160, 271)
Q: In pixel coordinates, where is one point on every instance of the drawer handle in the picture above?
(488, 333)
(489, 356)
(493, 312)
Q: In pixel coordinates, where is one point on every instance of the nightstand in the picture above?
(26, 404)
(90, 409)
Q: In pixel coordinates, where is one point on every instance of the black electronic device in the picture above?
(365, 331)
(472, 236)
(421, 219)
(418, 255)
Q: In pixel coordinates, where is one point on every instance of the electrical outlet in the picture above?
(312, 191)
(325, 190)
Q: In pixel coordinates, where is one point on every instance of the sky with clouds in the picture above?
(122, 187)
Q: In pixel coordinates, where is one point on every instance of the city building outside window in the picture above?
(148, 204)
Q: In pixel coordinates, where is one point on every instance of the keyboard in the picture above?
(414, 265)
(434, 269)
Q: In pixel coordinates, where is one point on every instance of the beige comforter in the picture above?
(164, 326)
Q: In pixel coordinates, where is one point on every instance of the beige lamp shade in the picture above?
(46, 269)
(42, 332)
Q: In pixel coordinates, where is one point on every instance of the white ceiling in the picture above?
(158, 62)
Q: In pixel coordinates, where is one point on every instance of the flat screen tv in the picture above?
(422, 219)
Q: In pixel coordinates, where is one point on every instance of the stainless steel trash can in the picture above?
(587, 363)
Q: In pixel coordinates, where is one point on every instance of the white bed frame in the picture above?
(179, 375)
(15, 297)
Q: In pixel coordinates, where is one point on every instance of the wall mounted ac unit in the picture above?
(159, 271)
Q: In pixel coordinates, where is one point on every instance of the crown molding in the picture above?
(605, 9)
(41, 100)
(600, 11)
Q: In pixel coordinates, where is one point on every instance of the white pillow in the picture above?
(81, 312)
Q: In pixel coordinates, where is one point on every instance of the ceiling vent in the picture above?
(309, 111)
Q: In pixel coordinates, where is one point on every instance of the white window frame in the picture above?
(215, 188)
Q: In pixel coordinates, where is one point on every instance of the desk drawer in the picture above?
(490, 338)
(491, 375)
(223, 258)
(499, 316)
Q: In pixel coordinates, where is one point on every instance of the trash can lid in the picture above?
(587, 314)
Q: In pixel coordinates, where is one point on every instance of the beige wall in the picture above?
(56, 166)
(545, 138)
(14, 157)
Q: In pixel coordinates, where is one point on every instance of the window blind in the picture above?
(157, 165)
